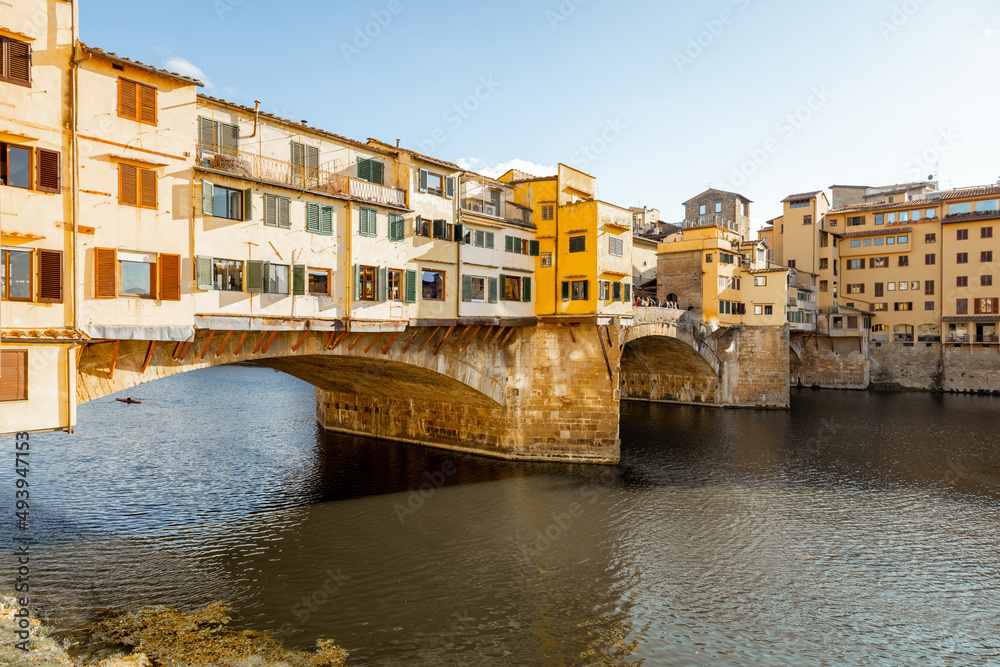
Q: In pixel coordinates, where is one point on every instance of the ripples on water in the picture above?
(855, 529)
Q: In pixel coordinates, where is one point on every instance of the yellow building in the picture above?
(584, 266)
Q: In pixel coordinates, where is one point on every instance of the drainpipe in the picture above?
(75, 195)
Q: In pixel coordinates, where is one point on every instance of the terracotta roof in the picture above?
(801, 196)
(971, 192)
(881, 205)
(724, 192)
(135, 63)
(417, 155)
(44, 334)
(971, 217)
(876, 232)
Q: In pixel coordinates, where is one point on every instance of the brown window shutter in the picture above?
(975, 306)
(18, 62)
(49, 171)
(147, 188)
(14, 377)
(105, 273)
(127, 99)
(995, 302)
(169, 267)
(50, 278)
(128, 185)
(147, 104)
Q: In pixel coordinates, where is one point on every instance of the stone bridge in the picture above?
(545, 392)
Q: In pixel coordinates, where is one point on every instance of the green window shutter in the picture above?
(565, 290)
(503, 287)
(248, 204)
(460, 233)
(207, 208)
(422, 180)
(489, 240)
(376, 172)
(357, 282)
(270, 210)
(284, 219)
(509, 243)
(439, 228)
(266, 281)
(372, 222)
(466, 288)
(616, 291)
(383, 283)
(586, 290)
(230, 136)
(395, 227)
(326, 220)
(417, 222)
(312, 217)
(628, 292)
(449, 187)
(493, 290)
(206, 132)
(533, 248)
(255, 276)
(526, 289)
(411, 286)
(364, 173)
(203, 272)
(298, 280)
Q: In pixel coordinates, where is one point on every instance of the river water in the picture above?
(855, 529)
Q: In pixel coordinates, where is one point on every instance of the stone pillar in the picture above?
(754, 367)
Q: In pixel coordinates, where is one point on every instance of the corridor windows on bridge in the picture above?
(763, 310)
(368, 278)
(577, 243)
(277, 278)
(432, 285)
(136, 274)
(227, 275)
(394, 284)
(575, 290)
(474, 289)
(511, 288)
(319, 282)
(15, 166)
(960, 209)
(16, 275)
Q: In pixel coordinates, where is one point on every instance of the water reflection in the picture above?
(855, 529)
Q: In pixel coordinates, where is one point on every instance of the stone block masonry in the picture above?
(830, 362)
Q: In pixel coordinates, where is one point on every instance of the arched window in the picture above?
(902, 333)
(929, 333)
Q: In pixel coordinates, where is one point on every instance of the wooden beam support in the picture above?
(239, 346)
(506, 337)
(295, 348)
(604, 351)
(355, 342)
(177, 349)
(340, 339)
(460, 338)
(208, 342)
(392, 339)
(374, 338)
(496, 336)
(149, 356)
(421, 349)
(571, 334)
(486, 337)
(475, 332)
(225, 341)
(410, 342)
(329, 340)
(443, 339)
(269, 341)
(184, 352)
(263, 335)
(114, 360)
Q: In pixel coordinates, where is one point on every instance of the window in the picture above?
(370, 170)
(432, 184)
(904, 216)
(962, 258)
(962, 235)
(136, 186)
(305, 165)
(136, 101)
(616, 246)
(510, 288)
(791, 263)
(987, 206)
(701, 210)
(15, 166)
(397, 229)
(879, 218)
(432, 285)
(824, 286)
(960, 209)
(577, 243)
(760, 281)
(824, 263)
(368, 222)
(227, 203)
(137, 275)
(546, 260)
(930, 238)
(422, 227)
(603, 290)
(276, 211)
(547, 212)
(853, 221)
(904, 306)
(441, 229)
(227, 275)
(798, 204)
(986, 280)
(931, 213)
(319, 282)
(855, 288)
(394, 284)
(368, 277)
(16, 275)
(708, 258)
(903, 285)
(904, 260)
(928, 305)
(474, 289)
(987, 306)
(928, 288)
(855, 243)
(319, 219)
(986, 256)
(855, 264)
(14, 379)
(218, 137)
(878, 262)
(881, 241)
(576, 290)
(902, 239)
(758, 310)
(961, 306)
(882, 306)
(15, 61)
(986, 233)
(444, 186)
(891, 287)
(718, 207)
(879, 289)
(961, 281)
(867, 242)
(807, 220)
(930, 258)
(277, 278)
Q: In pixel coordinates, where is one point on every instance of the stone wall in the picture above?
(754, 370)
(937, 366)
(831, 362)
(680, 274)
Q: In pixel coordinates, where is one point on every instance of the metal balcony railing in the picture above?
(271, 170)
(497, 209)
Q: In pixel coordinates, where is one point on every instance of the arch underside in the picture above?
(661, 368)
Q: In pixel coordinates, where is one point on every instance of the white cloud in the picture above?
(493, 171)
(187, 68)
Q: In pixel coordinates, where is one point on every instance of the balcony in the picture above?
(497, 209)
(279, 172)
(713, 220)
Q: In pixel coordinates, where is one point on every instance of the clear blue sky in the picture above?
(767, 98)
